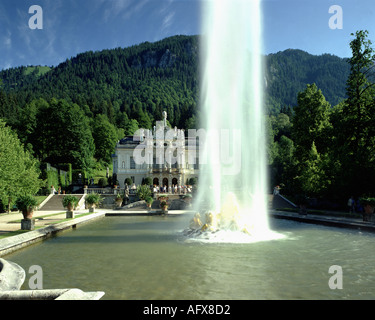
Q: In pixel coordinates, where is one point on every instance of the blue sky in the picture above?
(74, 26)
(304, 24)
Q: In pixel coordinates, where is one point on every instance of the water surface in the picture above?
(147, 258)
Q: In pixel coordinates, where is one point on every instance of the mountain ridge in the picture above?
(165, 75)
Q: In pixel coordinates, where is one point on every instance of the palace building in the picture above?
(163, 154)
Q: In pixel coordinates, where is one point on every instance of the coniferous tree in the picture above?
(311, 126)
(310, 122)
(356, 128)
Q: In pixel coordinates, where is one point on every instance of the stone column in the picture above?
(170, 183)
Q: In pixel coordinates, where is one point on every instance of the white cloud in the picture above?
(168, 20)
(123, 8)
(23, 30)
(115, 7)
(167, 13)
(8, 40)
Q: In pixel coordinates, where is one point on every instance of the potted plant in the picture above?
(163, 203)
(93, 200)
(119, 200)
(368, 204)
(164, 207)
(70, 202)
(27, 204)
(163, 198)
(149, 200)
(143, 192)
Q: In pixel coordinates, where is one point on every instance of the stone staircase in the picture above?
(55, 203)
(279, 202)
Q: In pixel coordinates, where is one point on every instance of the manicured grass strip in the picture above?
(15, 233)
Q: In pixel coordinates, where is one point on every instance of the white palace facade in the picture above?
(163, 154)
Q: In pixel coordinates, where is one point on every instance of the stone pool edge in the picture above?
(328, 221)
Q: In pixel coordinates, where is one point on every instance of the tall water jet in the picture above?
(233, 179)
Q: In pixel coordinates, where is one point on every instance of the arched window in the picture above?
(165, 182)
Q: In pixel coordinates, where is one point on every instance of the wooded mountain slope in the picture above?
(151, 77)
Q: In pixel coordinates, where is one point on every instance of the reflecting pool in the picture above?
(148, 258)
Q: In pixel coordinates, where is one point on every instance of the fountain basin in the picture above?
(148, 258)
(12, 277)
(53, 294)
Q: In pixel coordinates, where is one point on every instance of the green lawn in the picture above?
(40, 70)
(40, 199)
(101, 173)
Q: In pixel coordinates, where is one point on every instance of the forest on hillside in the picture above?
(138, 82)
(143, 80)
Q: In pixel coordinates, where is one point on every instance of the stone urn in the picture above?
(27, 204)
(28, 213)
(92, 208)
(70, 202)
(164, 207)
(149, 201)
(119, 202)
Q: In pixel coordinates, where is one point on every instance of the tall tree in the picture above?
(65, 135)
(105, 137)
(144, 119)
(312, 179)
(131, 127)
(356, 130)
(28, 119)
(310, 133)
(19, 171)
(310, 122)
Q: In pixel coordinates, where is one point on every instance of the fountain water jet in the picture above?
(233, 178)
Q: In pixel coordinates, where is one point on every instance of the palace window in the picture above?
(132, 163)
